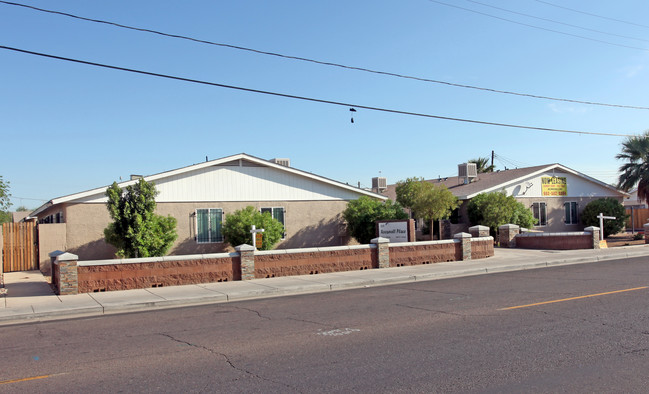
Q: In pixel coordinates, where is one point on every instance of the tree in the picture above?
(426, 200)
(5, 216)
(482, 165)
(497, 208)
(609, 207)
(361, 216)
(635, 150)
(238, 224)
(136, 230)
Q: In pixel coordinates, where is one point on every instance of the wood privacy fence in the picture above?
(637, 218)
(19, 247)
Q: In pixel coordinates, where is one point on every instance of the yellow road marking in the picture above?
(28, 379)
(572, 298)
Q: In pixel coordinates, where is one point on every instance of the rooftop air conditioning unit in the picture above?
(466, 172)
(282, 162)
(380, 184)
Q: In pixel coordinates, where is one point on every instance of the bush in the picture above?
(361, 216)
(236, 228)
(497, 208)
(609, 207)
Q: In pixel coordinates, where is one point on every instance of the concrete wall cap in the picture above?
(462, 235)
(508, 226)
(67, 257)
(483, 239)
(244, 248)
(380, 240)
(479, 227)
(423, 243)
(591, 228)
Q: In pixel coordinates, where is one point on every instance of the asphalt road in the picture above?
(451, 335)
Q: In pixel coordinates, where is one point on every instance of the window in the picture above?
(278, 214)
(572, 214)
(208, 225)
(538, 208)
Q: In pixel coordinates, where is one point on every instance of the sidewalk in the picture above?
(29, 297)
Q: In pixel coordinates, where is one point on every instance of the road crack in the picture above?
(253, 311)
(227, 359)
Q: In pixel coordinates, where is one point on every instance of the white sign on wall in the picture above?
(394, 231)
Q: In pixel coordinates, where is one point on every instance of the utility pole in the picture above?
(492, 159)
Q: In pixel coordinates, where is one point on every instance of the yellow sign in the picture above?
(554, 186)
(259, 237)
(603, 244)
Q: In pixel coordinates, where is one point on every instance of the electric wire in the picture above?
(536, 27)
(557, 22)
(349, 105)
(326, 63)
(590, 14)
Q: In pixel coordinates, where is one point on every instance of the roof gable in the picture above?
(234, 178)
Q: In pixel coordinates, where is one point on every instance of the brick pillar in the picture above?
(247, 256)
(412, 233)
(595, 232)
(479, 231)
(68, 280)
(646, 232)
(465, 245)
(383, 251)
(507, 235)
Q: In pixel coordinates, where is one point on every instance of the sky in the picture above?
(67, 127)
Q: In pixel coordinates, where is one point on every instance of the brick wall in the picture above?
(425, 252)
(482, 247)
(555, 241)
(129, 274)
(107, 275)
(314, 261)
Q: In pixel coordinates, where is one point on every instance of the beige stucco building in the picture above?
(555, 194)
(200, 197)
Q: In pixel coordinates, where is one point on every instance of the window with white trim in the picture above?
(572, 213)
(209, 225)
(278, 214)
(539, 211)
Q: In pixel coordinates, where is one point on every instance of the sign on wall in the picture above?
(554, 186)
(394, 231)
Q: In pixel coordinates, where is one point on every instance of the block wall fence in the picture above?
(512, 236)
(70, 276)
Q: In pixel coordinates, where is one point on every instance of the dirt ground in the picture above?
(623, 239)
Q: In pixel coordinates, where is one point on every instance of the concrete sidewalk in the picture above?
(29, 297)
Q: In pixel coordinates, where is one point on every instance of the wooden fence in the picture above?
(19, 247)
(637, 218)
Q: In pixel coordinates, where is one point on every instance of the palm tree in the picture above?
(635, 150)
(482, 165)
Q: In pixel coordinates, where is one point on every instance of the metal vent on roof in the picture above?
(281, 162)
(466, 172)
(379, 184)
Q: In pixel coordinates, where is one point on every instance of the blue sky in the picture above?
(69, 127)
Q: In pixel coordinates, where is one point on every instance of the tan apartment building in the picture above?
(200, 197)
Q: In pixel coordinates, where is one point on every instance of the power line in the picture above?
(536, 27)
(557, 22)
(590, 14)
(393, 111)
(325, 63)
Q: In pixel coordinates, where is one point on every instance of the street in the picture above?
(579, 328)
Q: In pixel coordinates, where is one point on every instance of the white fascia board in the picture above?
(149, 178)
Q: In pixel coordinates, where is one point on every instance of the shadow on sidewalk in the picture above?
(26, 284)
